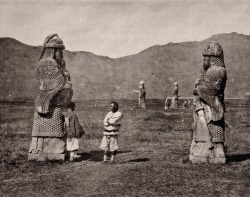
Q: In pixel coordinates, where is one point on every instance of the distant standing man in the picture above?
(185, 104)
(167, 103)
(112, 125)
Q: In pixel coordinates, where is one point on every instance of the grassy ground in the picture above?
(152, 158)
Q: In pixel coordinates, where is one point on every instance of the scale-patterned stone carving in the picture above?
(174, 103)
(209, 124)
(55, 92)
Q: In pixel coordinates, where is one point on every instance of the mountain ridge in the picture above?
(101, 77)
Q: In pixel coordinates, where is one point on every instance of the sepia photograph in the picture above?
(124, 98)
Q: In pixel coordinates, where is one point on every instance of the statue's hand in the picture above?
(195, 92)
(67, 84)
(41, 87)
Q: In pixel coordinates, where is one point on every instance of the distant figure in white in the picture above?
(142, 95)
(185, 104)
(167, 103)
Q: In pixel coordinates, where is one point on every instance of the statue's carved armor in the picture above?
(54, 91)
(174, 103)
(175, 91)
(209, 93)
(211, 90)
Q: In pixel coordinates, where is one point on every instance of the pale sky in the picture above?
(117, 28)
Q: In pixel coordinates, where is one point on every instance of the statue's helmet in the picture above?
(51, 43)
(175, 83)
(213, 49)
(141, 82)
(50, 73)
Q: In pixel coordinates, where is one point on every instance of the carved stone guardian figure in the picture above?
(209, 125)
(174, 103)
(48, 139)
(142, 95)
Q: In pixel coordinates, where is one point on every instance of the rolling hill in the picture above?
(99, 77)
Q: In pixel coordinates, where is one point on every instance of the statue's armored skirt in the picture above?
(48, 132)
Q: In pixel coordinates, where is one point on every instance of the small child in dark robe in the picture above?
(73, 130)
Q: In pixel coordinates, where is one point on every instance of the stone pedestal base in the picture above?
(200, 153)
(174, 104)
(210, 160)
(217, 160)
(46, 156)
(45, 148)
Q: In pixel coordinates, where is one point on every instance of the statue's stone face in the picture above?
(206, 62)
(59, 55)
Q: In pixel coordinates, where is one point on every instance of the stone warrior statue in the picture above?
(55, 93)
(142, 95)
(174, 103)
(209, 126)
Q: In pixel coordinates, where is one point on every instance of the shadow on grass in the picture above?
(139, 160)
(238, 157)
(96, 156)
(84, 156)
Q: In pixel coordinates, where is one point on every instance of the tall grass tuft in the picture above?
(10, 151)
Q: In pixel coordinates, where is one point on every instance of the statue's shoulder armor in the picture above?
(49, 73)
(48, 68)
(216, 73)
(215, 80)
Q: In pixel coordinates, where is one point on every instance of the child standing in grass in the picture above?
(73, 130)
(112, 125)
